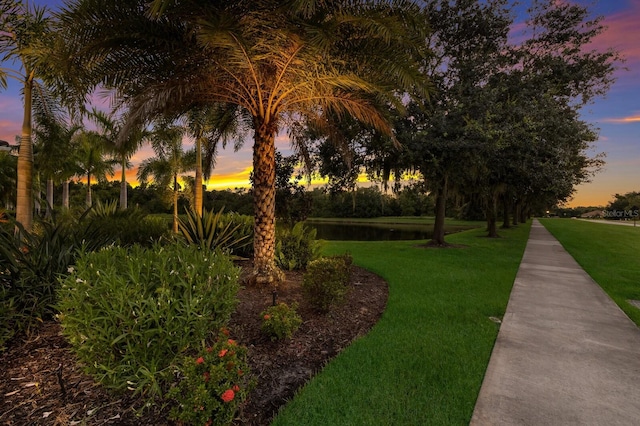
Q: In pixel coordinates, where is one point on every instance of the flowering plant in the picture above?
(280, 321)
(213, 384)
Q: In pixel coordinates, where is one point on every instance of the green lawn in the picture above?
(609, 253)
(397, 220)
(423, 363)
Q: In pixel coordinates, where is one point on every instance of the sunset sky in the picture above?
(617, 116)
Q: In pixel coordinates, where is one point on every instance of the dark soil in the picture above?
(41, 383)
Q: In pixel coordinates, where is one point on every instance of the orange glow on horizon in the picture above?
(631, 119)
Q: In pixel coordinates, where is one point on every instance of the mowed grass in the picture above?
(610, 254)
(424, 361)
(396, 220)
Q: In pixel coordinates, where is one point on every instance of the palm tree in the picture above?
(280, 62)
(54, 156)
(122, 147)
(91, 160)
(25, 39)
(209, 126)
(169, 162)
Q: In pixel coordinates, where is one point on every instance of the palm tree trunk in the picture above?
(123, 185)
(88, 199)
(197, 190)
(24, 198)
(175, 203)
(65, 194)
(49, 197)
(264, 200)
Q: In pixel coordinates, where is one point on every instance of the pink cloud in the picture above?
(623, 33)
(623, 120)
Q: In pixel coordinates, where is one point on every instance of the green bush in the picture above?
(296, 247)
(213, 384)
(242, 226)
(215, 231)
(129, 313)
(31, 263)
(280, 321)
(127, 227)
(326, 281)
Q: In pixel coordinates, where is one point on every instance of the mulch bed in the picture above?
(41, 383)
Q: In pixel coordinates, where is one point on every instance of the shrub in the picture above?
(30, 264)
(326, 281)
(127, 227)
(213, 384)
(242, 226)
(296, 247)
(214, 231)
(128, 313)
(280, 321)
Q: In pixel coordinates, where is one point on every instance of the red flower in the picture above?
(240, 372)
(224, 331)
(228, 395)
(231, 342)
(199, 360)
(222, 353)
(267, 316)
(236, 388)
(207, 376)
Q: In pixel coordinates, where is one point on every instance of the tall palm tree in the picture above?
(278, 61)
(170, 161)
(91, 159)
(25, 40)
(122, 148)
(54, 156)
(209, 126)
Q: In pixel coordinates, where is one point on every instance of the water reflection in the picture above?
(377, 232)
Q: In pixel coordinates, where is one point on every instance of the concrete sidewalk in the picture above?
(565, 354)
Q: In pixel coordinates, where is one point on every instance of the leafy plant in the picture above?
(212, 231)
(213, 384)
(280, 321)
(30, 266)
(326, 281)
(296, 247)
(127, 227)
(129, 313)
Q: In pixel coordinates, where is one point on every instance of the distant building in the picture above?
(7, 147)
(596, 214)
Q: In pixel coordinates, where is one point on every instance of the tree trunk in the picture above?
(516, 213)
(24, 197)
(65, 194)
(438, 224)
(492, 217)
(197, 190)
(88, 200)
(175, 203)
(264, 200)
(123, 185)
(524, 212)
(49, 197)
(505, 212)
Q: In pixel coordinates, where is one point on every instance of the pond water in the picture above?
(345, 231)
